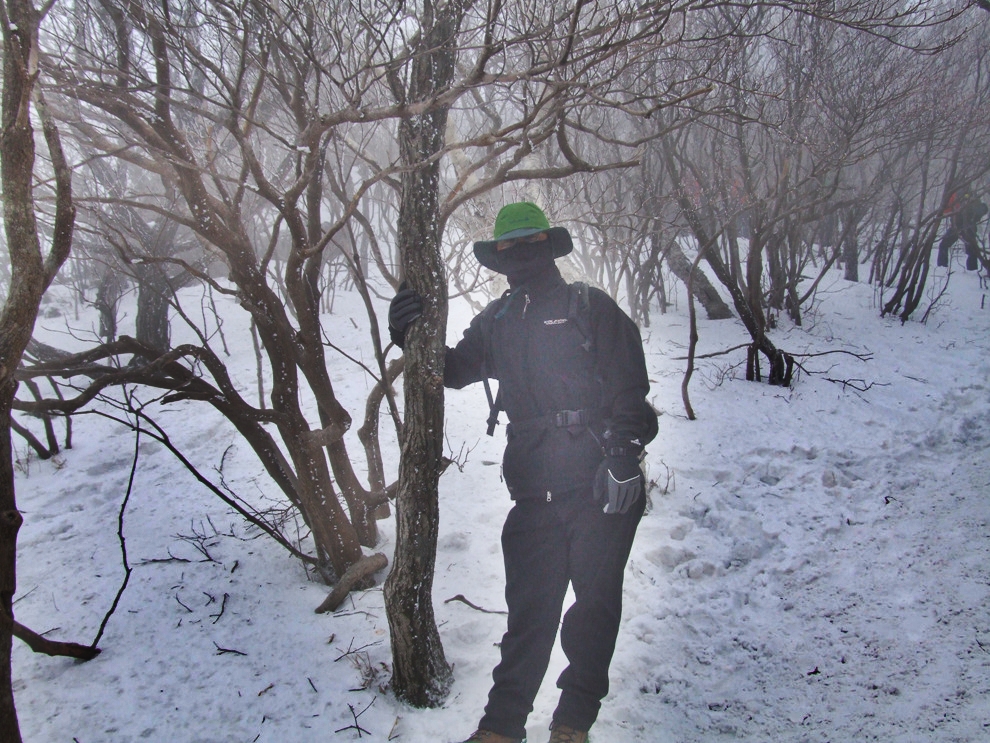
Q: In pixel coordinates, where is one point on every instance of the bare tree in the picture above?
(32, 270)
(205, 142)
(785, 144)
(948, 152)
(421, 674)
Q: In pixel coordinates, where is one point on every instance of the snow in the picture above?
(814, 565)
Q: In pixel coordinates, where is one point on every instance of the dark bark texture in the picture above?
(421, 675)
(31, 272)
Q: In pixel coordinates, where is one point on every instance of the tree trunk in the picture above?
(151, 323)
(913, 274)
(850, 255)
(748, 304)
(107, 298)
(698, 283)
(421, 675)
(10, 523)
(30, 275)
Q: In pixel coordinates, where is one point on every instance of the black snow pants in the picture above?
(547, 544)
(968, 235)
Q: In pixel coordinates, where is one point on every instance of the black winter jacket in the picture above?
(544, 365)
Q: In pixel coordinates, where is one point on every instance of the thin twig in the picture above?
(223, 605)
(356, 715)
(460, 597)
(352, 650)
(120, 537)
(392, 735)
(159, 435)
(692, 340)
(860, 385)
(727, 351)
(170, 558)
(714, 354)
(223, 651)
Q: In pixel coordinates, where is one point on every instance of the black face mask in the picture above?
(524, 261)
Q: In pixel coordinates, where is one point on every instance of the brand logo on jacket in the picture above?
(561, 321)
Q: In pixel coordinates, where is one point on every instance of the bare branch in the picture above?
(460, 597)
(40, 644)
(358, 572)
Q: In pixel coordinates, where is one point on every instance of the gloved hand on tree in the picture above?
(405, 307)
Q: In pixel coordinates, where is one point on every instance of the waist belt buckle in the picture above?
(568, 418)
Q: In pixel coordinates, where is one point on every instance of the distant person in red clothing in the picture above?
(965, 213)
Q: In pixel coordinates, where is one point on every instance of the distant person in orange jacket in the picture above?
(964, 214)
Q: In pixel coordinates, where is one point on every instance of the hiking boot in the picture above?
(487, 736)
(566, 734)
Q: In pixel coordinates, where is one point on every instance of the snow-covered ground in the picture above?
(815, 564)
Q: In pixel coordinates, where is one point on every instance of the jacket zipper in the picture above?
(526, 307)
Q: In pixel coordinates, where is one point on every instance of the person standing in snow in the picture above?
(573, 383)
(965, 214)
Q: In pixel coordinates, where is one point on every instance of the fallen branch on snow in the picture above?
(40, 644)
(357, 572)
(460, 597)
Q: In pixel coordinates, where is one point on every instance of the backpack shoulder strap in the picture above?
(487, 330)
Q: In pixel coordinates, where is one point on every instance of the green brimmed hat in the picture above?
(521, 220)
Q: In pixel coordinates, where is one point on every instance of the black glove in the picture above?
(619, 481)
(405, 307)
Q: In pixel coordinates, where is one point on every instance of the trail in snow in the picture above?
(860, 614)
